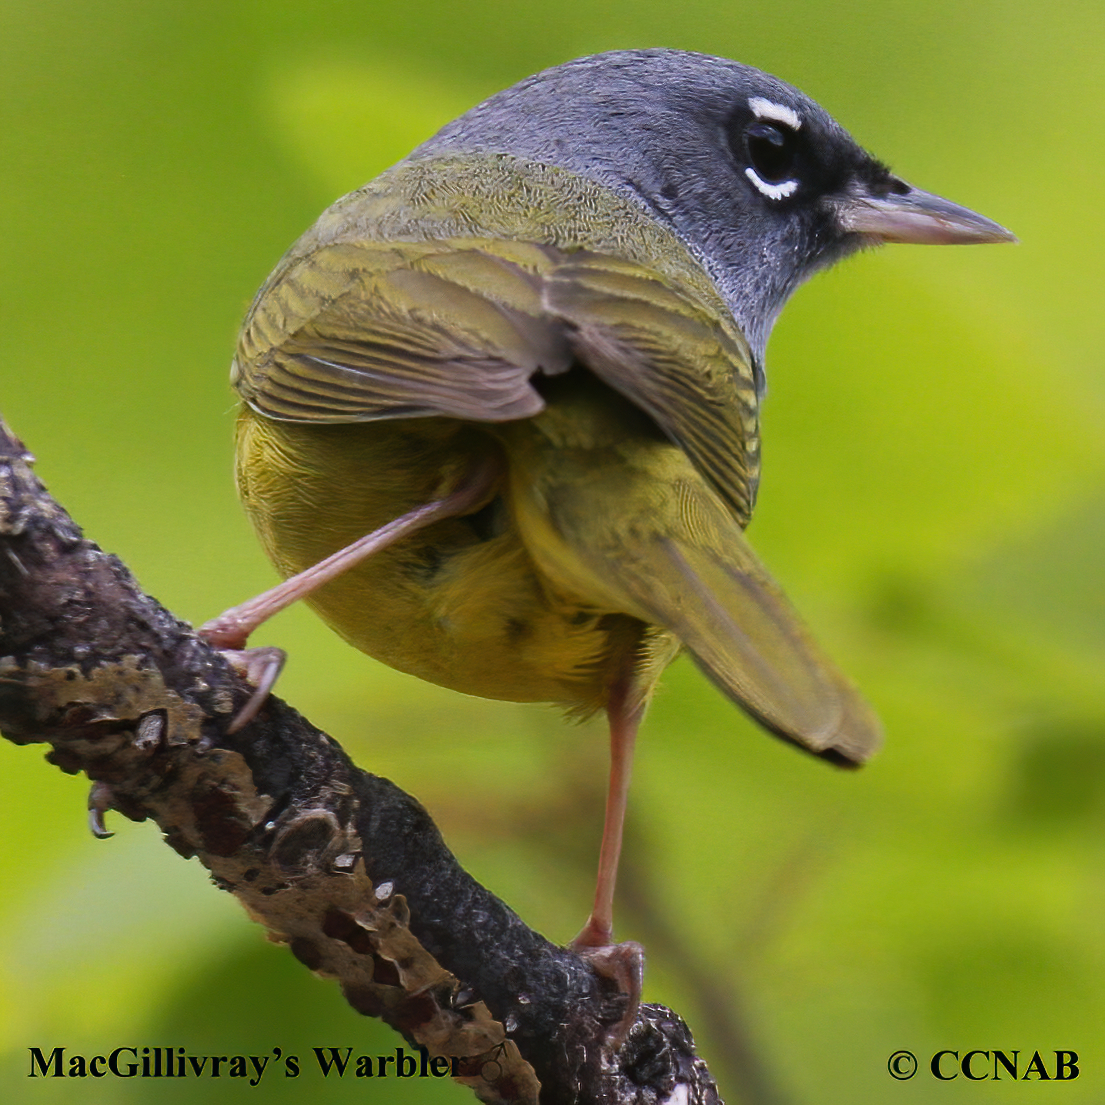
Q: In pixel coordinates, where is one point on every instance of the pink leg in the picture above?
(623, 963)
(232, 628)
(261, 666)
(599, 930)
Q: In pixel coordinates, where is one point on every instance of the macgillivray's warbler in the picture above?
(523, 368)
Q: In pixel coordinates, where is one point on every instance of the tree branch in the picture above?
(339, 864)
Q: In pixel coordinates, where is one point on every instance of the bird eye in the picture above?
(770, 151)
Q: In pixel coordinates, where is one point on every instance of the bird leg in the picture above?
(261, 666)
(623, 963)
(624, 720)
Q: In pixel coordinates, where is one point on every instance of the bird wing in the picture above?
(364, 330)
(678, 357)
(360, 331)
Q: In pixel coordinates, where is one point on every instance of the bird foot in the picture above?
(623, 964)
(100, 800)
(260, 667)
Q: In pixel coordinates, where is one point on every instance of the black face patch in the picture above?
(771, 149)
(789, 160)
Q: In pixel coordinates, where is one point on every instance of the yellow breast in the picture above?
(460, 603)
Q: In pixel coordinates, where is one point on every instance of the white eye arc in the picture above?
(772, 191)
(779, 113)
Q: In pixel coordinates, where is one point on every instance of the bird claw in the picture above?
(100, 799)
(624, 965)
(260, 667)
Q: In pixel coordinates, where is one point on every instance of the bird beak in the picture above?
(915, 216)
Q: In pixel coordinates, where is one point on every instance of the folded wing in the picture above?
(465, 329)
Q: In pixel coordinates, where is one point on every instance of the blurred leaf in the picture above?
(347, 122)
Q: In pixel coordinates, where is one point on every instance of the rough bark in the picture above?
(339, 864)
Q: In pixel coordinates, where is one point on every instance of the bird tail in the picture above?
(747, 637)
(685, 564)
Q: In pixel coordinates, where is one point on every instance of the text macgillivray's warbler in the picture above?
(523, 370)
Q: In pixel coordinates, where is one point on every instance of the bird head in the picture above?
(760, 182)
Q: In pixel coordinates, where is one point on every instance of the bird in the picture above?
(499, 418)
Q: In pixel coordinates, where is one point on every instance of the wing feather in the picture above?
(463, 328)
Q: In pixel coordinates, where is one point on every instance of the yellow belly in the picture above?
(459, 603)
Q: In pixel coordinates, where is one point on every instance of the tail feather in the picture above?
(717, 597)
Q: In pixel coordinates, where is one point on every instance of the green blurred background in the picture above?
(934, 501)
